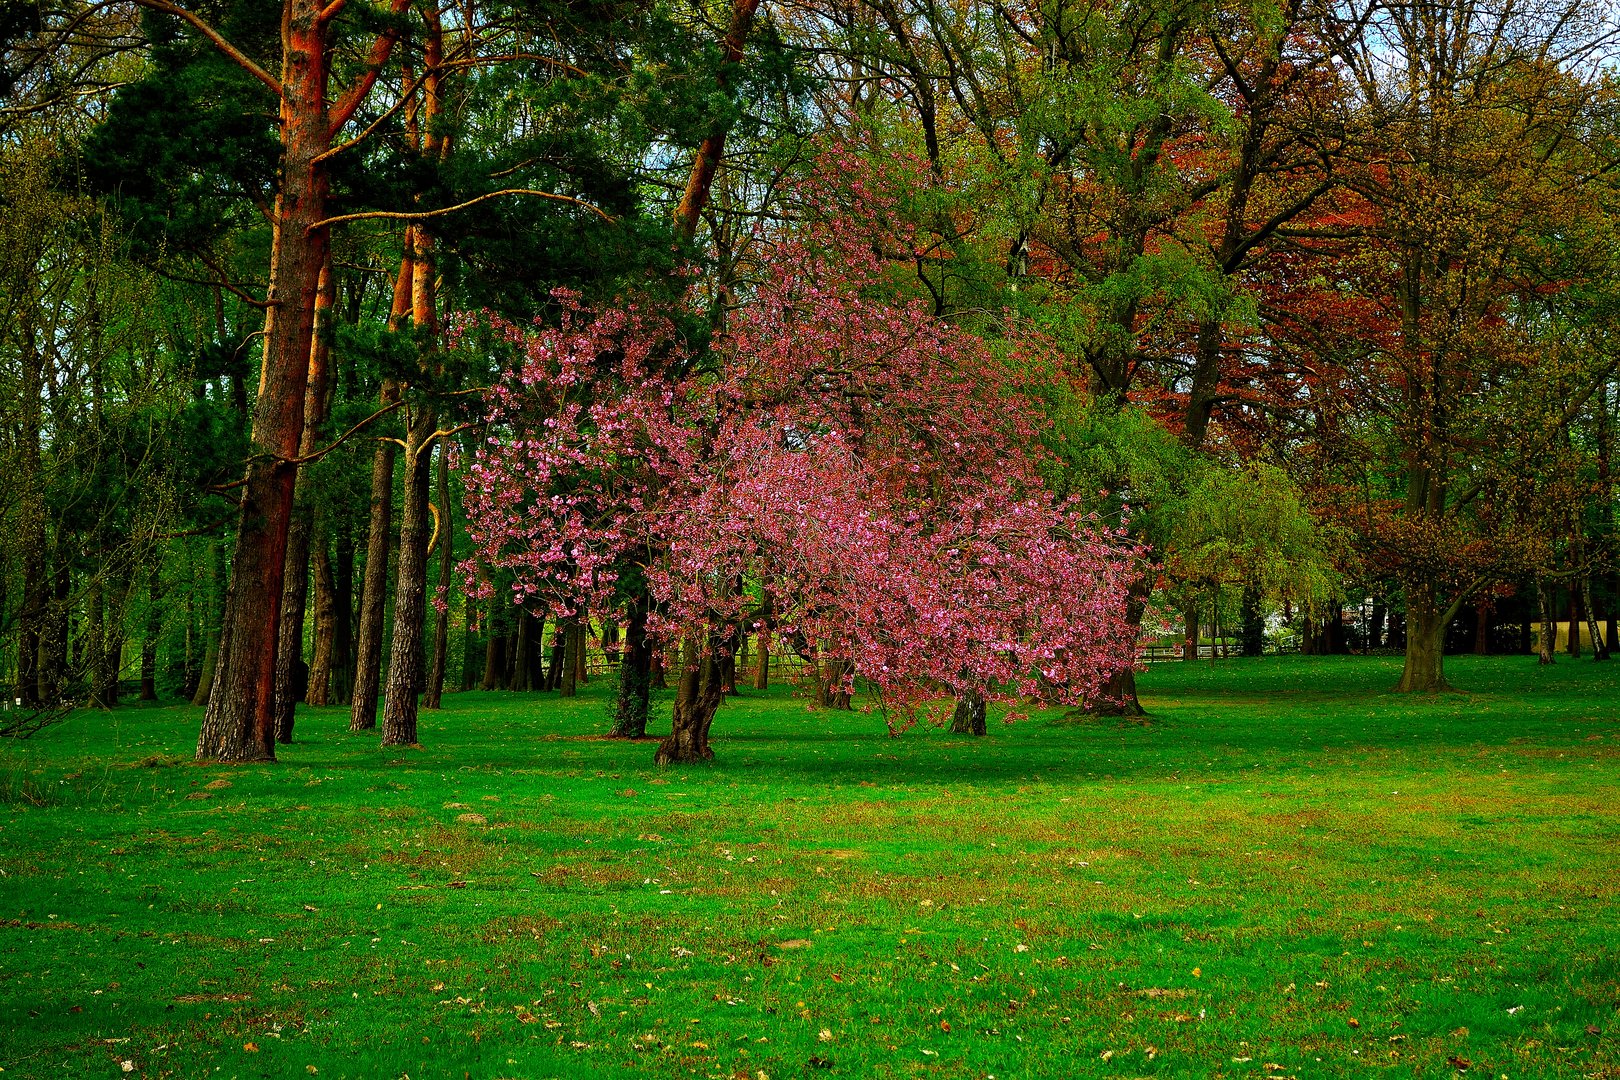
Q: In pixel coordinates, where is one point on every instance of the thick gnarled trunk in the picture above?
(1425, 671)
(968, 719)
(697, 698)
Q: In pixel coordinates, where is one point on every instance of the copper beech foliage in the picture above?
(867, 464)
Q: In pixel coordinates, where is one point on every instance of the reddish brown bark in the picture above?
(707, 162)
(239, 724)
(379, 537)
(292, 678)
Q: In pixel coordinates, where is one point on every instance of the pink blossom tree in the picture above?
(870, 466)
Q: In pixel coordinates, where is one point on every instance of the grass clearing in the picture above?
(1289, 872)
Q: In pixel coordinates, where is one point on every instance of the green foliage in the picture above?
(1251, 528)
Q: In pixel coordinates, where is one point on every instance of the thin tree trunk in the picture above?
(410, 590)
(93, 643)
(1600, 648)
(552, 680)
(110, 659)
(494, 648)
(1189, 631)
(343, 633)
(53, 644)
(635, 660)
(1482, 628)
(1548, 649)
(1572, 644)
(571, 636)
(1375, 626)
(762, 644)
(447, 557)
(319, 691)
(149, 638)
(292, 676)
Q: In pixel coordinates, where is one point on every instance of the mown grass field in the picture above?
(1289, 872)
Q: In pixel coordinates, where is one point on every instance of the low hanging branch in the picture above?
(418, 215)
(236, 56)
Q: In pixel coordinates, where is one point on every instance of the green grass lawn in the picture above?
(1288, 872)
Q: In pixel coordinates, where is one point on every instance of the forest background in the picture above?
(1309, 305)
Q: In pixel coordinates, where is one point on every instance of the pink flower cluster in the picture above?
(872, 467)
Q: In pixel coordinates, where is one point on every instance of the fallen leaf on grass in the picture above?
(251, 1048)
(1461, 1064)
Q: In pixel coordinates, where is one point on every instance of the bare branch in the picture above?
(235, 55)
(418, 215)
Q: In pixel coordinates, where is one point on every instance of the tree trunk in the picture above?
(31, 518)
(1572, 644)
(54, 666)
(1118, 694)
(93, 644)
(343, 632)
(447, 558)
(572, 637)
(552, 679)
(292, 676)
(762, 657)
(635, 683)
(374, 591)
(1600, 648)
(319, 691)
(697, 699)
(1482, 628)
(1253, 626)
(582, 654)
(239, 724)
(1375, 626)
(410, 590)
(149, 638)
(968, 719)
(494, 648)
(1425, 644)
(1189, 634)
(1549, 629)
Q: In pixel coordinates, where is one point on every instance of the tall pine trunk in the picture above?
(410, 588)
(447, 554)
(319, 691)
(239, 724)
(292, 677)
